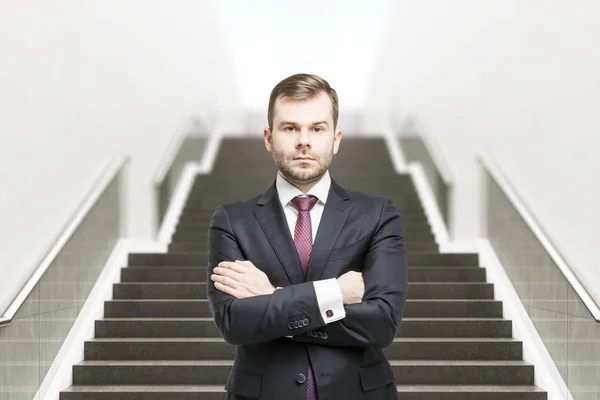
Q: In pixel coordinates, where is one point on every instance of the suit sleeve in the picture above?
(374, 321)
(288, 311)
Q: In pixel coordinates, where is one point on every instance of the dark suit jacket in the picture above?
(357, 232)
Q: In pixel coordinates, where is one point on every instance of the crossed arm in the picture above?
(267, 316)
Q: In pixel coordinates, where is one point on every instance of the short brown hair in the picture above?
(302, 87)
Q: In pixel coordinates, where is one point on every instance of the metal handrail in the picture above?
(433, 148)
(491, 166)
(185, 126)
(108, 174)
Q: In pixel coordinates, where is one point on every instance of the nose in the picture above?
(303, 139)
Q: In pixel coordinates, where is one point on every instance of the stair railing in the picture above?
(112, 170)
(491, 167)
(419, 146)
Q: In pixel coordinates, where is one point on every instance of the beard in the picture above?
(298, 174)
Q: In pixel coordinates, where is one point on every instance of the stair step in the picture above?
(200, 259)
(182, 246)
(157, 309)
(143, 392)
(450, 290)
(413, 245)
(205, 327)
(458, 308)
(405, 199)
(446, 274)
(204, 217)
(443, 259)
(471, 392)
(203, 372)
(201, 236)
(159, 290)
(201, 226)
(197, 290)
(199, 274)
(200, 210)
(218, 349)
(217, 392)
(200, 309)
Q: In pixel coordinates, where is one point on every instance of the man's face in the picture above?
(303, 140)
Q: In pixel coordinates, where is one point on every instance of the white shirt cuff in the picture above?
(331, 302)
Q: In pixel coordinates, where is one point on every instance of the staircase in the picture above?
(158, 341)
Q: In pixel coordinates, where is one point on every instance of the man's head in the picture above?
(302, 116)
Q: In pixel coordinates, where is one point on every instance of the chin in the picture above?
(307, 174)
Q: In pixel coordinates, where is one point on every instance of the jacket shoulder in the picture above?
(368, 199)
(239, 206)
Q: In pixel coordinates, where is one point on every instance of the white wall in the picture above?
(519, 79)
(272, 39)
(82, 81)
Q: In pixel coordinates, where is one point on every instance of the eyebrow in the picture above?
(282, 123)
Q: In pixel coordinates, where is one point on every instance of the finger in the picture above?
(245, 262)
(228, 273)
(235, 266)
(226, 289)
(225, 280)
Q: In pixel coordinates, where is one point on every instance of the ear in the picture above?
(268, 140)
(336, 141)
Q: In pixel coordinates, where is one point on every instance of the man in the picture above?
(309, 279)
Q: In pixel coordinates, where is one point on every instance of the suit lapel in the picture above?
(270, 216)
(336, 212)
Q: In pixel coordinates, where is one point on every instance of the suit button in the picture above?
(301, 378)
(291, 325)
(312, 334)
(324, 335)
(305, 321)
(320, 334)
(295, 324)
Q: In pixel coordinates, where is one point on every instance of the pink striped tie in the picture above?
(303, 242)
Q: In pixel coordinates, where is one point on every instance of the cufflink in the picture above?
(329, 313)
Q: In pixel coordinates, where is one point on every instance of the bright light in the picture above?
(272, 39)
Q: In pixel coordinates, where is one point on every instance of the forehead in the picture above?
(305, 111)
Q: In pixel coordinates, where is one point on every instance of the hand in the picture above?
(352, 286)
(241, 279)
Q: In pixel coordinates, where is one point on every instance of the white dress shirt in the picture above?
(329, 295)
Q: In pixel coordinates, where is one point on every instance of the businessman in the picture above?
(308, 279)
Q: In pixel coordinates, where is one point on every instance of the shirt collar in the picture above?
(287, 191)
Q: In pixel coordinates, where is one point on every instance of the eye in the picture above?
(289, 129)
(318, 129)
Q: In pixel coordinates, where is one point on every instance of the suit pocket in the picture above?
(349, 249)
(244, 384)
(376, 375)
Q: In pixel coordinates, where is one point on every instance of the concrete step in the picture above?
(199, 259)
(217, 392)
(402, 200)
(205, 327)
(210, 372)
(204, 217)
(197, 290)
(201, 225)
(204, 207)
(200, 309)
(416, 244)
(217, 349)
(182, 246)
(202, 229)
(199, 274)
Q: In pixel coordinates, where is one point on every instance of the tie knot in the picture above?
(304, 203)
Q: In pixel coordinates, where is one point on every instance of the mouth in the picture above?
(303, 159)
